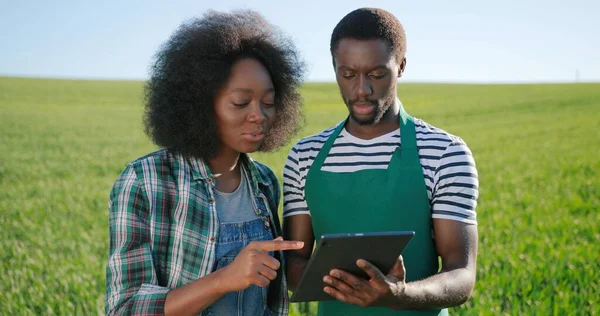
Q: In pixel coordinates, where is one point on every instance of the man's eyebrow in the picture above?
(381, 66)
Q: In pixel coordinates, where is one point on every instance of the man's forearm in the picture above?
(295, 266)
(445, 289)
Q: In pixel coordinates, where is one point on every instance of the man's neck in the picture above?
(388, 123)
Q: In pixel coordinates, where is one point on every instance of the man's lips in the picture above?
(363, 107)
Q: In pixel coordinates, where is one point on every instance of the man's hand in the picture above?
(379, 290)
(456, 243)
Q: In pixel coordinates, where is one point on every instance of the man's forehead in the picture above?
(356, 43)
(362, 52)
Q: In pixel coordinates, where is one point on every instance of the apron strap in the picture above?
(407, 136)
(322, 155)
(407, 130)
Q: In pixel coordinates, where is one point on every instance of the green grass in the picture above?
(537, 149)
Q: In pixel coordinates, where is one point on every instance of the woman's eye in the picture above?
(267, 104)
(240, 104)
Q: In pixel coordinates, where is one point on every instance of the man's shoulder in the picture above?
(426, 132)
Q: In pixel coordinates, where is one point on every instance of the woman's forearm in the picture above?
(196, 296)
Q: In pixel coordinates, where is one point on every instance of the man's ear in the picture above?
(401, 67)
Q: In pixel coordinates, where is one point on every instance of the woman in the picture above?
(193, 226)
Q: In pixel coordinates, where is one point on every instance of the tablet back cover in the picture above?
(341, 251)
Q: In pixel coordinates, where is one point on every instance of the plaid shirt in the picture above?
(163, 228)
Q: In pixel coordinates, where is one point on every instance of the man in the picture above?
(381, 170)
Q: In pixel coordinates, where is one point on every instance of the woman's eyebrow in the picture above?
(250, 90)
(241, 90)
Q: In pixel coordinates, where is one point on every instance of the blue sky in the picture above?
(448, 41)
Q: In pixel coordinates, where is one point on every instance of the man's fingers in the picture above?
(350, 279)
(338, 284)
(341, 297)
(276, 245)
(335, 293)
(371, 270)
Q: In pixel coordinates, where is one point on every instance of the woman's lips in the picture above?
(254, 136)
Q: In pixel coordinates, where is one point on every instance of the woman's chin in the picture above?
(250, 148)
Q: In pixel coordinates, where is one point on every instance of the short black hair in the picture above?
(195, 63)
(369, 24)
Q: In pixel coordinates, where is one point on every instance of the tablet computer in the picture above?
(341, 251)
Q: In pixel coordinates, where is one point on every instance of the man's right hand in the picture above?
(254, 266)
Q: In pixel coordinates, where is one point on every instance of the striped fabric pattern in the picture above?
(448, 167)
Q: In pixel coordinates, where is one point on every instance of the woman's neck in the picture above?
(225, 168)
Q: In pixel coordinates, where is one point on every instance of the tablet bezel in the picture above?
(332, 247)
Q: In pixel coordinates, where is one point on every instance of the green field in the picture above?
(537, 149)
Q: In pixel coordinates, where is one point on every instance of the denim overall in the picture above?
(233, 236)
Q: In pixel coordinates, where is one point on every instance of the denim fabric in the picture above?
(233, 237)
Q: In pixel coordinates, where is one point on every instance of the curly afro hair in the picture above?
(368, 24)
(195, 63)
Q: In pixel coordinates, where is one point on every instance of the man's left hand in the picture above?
(379, 290)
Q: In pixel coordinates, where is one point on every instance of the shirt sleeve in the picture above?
(456, 185)
(131, 282)
(293, 186)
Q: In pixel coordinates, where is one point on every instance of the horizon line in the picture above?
(482, 82)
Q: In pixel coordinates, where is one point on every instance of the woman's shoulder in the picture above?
(158, 163)
(265, 173)
(153, 169)
(159, 156)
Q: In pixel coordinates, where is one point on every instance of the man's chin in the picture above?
(364, 120)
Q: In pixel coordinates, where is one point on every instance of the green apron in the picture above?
(375, 201)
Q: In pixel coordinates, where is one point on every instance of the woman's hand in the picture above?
(254, 266)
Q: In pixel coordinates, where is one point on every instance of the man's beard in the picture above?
(381, 107)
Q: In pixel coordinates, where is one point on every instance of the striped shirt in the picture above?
(448, 167)
(163, 226)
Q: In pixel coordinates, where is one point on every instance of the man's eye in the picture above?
(348, 76)
(377, 76)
